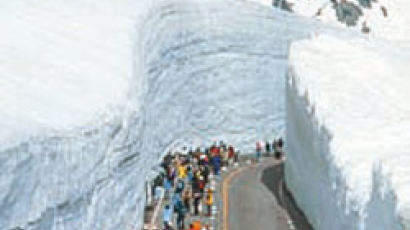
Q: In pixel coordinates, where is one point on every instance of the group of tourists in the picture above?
(186, 181)
(276, 148)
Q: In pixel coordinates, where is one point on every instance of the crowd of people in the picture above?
(186, 181)
(276, 148)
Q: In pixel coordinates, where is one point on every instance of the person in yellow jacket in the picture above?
(209, 201)
(182, 172)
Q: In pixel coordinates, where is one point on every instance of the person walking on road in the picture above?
(197, 225)
(166, 217)
(236, 157)
(196, 194)
(278, 148)
(258, 151)
(197, 201)
(191, 227)
(182, 171)
(180, 186)
(216, 163)
(181, 212)
(206, 173)
(187, 199)
(267, 148)
(201, 183)
(231, 155)
(209, 201)
(167, 186)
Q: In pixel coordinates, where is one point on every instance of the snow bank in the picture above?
(54, 52)
(93, 92)
(348, 152)
(69, 115)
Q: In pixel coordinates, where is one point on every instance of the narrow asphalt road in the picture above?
(258, 200)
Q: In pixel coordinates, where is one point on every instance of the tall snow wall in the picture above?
(93, 93)
(347, 114)
(70, 119)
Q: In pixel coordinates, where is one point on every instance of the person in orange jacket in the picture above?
(196, 225)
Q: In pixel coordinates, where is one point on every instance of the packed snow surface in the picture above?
(62, 63)
(94, 92)
(348, 112)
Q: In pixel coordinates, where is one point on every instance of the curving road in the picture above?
(258, 200)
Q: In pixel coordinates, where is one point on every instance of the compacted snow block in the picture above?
(347, 116)
(70, 152)
(102, 88)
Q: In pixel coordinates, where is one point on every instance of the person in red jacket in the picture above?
(213, 150)
(231, 154)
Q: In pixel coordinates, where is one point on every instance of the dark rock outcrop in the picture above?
(348, 12)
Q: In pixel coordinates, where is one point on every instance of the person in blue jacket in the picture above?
(166, 217)
(216, 163)
(181, 212)
(167, 185)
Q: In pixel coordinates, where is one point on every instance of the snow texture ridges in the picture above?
(111, 86)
